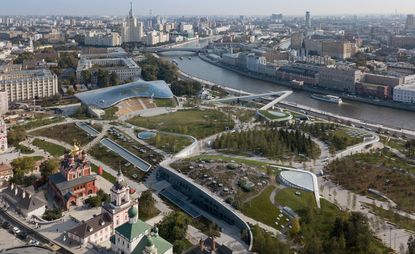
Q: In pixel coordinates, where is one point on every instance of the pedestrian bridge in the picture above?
(281, 95)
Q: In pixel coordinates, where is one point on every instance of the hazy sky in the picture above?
(207, 7)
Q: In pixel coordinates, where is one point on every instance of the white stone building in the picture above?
(22, 85)
(3, 136)
(404, 93)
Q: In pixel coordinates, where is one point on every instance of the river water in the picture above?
(362, 111)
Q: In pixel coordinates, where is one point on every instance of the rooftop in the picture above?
(106, 97)
(131, 231)
(91, 226)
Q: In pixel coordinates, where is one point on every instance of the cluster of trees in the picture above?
(104, 78)
(410, 146)
(157, 69)
(268, 142)
(173, 228)
(264, 243)
(20, 167)
(100, 198)
(325, 132)
(147, 208)
(16, 135)
(348, 234)
(24, 57)
(68, 60)
(411, 245)
(49, 167)
(24, 165)
(53, 214)
(185, 88)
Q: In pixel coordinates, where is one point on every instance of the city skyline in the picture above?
(188, 7)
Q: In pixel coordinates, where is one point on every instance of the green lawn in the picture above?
(169, 143)
(197, 123)
(272, 117)
(110, 113)
(42, 122)
(24, 149)
(261, 209)
(37, 158)
(68, 133)
(169, 103)
(53, 149)
(105, 174)
(287, 197)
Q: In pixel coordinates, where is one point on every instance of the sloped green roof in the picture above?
(161, 245)
(130, 231)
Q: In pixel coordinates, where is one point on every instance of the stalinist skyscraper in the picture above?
(132, 30)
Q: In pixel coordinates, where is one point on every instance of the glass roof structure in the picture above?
(106, 97)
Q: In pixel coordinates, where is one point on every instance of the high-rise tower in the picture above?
(307, 20)
(132, 30)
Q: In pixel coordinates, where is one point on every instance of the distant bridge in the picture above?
(161, 50)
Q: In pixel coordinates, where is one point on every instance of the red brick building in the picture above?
(74, 180)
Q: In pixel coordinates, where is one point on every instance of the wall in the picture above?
(203, 199)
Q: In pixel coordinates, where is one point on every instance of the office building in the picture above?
(297, 40)
(340, 79)
(186, 28)
(112, 60)
(4, 102)
(404, 93)
(3, 136)
(103, 40)
(410, 22)
(307, 19)
(337, 49)
(22, 85)
(403, 41)
(132, 29)
(154, 37)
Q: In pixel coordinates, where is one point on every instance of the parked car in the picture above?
(34, 242)
(5, 225)
(16, 230)
(22, 235)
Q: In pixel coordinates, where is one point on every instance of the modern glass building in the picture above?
(106, 97)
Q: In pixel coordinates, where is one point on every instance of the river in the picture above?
(362, 111)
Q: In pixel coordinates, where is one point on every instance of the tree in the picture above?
(185, 87)
(103, 78)
(23, 165)
(114, 79)
(411, 245)
(51, 215)
(295, 228)
(86, 76)
(100, 198)
(147, 205)
(174, 227)
(70, 91)
(49, 167)
(16, 135)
